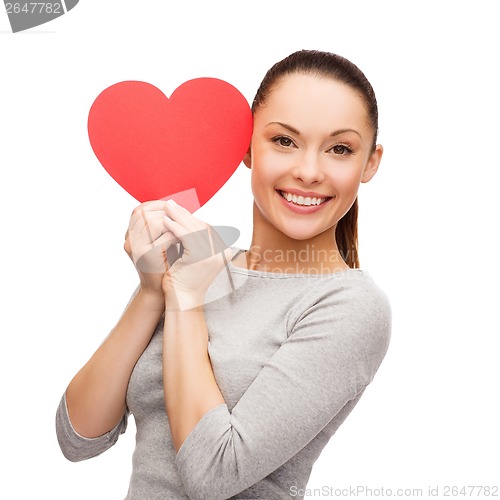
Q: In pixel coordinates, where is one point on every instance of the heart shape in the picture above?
(155, 147)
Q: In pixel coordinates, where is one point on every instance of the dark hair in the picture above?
(326, 64)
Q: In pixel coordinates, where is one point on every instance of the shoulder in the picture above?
(350, 308)
(359, 295)
(351, 292)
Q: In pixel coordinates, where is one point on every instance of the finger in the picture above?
(152, 258)
(176, 228)
(140, 216)
(150, 206)
(183, 216)
(196, 243)
(153, 261)
(198, 229)
(148, 227)
(167, 239)
(140, 248)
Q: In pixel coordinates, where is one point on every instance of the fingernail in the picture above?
(171, 203)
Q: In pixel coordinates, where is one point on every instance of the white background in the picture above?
(428, 222)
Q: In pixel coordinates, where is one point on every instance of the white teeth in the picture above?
(300, 200)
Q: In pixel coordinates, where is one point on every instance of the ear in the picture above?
(247, 159)
(373, 163)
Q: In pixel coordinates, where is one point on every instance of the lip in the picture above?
(304, 193)
(306, 209)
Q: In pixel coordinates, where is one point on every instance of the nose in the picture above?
(308, 168)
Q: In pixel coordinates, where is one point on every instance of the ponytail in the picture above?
(346, 235)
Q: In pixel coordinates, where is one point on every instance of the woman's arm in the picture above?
(317, 375)
(188, 379)
(96, 395)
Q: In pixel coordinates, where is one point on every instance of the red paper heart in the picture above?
(155, 147)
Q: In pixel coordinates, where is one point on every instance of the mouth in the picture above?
(303, 201)
(301, 204)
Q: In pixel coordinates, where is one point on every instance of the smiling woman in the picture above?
(237, 389)
(311, 131)
(337, 110)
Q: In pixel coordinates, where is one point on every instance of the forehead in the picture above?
(314, 101)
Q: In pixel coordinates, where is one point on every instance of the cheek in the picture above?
(268, 166)
(346, 177)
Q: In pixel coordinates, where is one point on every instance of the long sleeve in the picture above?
(76, 447)
(331, 354)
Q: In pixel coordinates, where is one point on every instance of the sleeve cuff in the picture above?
(201, 436)
(76, 447)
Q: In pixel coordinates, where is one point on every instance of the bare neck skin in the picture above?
(273, 251)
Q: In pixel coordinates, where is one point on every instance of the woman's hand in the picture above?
(204, 256)
(150, 245)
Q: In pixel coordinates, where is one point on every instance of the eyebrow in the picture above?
(295, 131)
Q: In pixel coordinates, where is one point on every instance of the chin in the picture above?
(300, 234)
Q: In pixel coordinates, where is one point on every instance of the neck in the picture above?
(273, 251)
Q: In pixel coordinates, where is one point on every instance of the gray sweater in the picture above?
(292, 355)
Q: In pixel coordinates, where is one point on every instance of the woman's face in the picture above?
(311, 139)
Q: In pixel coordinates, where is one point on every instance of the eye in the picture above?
(283, 140)
(341, 149)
